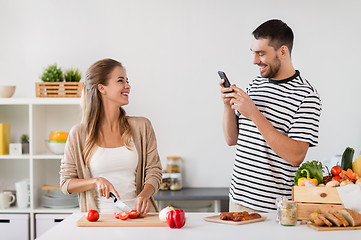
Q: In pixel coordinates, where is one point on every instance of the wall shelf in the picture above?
(37, 117)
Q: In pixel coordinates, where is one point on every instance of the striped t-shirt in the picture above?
(259, 176)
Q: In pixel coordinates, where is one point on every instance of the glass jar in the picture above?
(165, 185)
(175, 181)
(288, 213)
(173, 164)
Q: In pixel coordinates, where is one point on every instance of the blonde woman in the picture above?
(110, 151)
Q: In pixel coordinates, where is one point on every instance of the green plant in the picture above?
(52, 74)
(72, 75)
(24, 138)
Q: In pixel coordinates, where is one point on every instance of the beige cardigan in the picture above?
(149, 169)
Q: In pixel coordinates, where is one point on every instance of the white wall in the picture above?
(172, 51)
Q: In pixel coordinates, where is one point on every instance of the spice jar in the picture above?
(288, 213)
(175, 181)
(165, 185)
(173, 164)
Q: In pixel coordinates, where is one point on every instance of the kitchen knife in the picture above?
(119, 204)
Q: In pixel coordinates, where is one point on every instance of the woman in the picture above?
(109, 151)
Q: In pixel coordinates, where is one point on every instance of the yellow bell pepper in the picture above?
(300, 180)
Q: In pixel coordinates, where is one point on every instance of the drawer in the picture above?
(44, 222)
(14, 226)
(316, 195)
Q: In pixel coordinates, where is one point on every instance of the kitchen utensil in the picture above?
(217, 220)
(108, 220)
(119, 204)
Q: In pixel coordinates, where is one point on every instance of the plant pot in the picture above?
(25, 147)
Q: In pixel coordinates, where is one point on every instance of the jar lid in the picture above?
(289, 203)
(173, 157)
(165, 175)
(175, 175)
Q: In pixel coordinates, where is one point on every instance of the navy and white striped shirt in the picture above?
(259, 176)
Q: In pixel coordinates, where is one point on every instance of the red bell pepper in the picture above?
(176, 218)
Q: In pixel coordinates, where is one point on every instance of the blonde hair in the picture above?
(98, 73)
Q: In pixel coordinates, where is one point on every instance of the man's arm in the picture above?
(292, 151)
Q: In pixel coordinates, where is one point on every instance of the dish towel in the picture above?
(351, 196)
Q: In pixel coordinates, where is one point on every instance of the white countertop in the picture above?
(195, 228)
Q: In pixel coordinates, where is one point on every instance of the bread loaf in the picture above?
(352, 217)
(334, 220)
(342, 219)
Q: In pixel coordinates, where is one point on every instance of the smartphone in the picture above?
(226, 83)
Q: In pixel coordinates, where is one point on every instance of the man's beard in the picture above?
(272, 69)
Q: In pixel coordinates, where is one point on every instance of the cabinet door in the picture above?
(14, 226)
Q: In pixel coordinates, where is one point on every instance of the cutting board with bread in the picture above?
(342, 219)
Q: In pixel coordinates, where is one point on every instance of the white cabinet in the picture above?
(36, 117)
(14, 226)
(44, 222)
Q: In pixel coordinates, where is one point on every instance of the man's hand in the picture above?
(224, 92)
(241, 102)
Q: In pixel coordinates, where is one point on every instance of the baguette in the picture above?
(342, 219)
(334, 220)
(352, 217)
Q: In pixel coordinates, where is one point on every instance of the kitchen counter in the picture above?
(195, 228)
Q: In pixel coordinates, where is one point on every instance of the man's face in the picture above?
(266, 57)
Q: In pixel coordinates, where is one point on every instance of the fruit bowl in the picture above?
(7, 91)
(56, 147)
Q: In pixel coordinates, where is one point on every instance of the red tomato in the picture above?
(133, 214)
(336, 178)
(121, 216)
(336, 170)
(92, 216)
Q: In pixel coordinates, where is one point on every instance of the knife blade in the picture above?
(119, 204)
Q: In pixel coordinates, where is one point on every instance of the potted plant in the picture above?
(52, 74)
(72, 78)
(72, 75)
(25, 143)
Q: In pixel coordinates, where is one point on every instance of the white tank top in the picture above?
(118, 166)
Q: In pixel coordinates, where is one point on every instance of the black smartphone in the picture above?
(226, 83)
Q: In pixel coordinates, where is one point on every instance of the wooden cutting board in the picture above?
(108, 220)
(326, 228)
(217, 220)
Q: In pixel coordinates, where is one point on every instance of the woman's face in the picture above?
(117, 90)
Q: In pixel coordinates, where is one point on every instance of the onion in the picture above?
(163, 213)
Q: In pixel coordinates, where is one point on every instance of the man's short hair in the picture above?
(278, 33)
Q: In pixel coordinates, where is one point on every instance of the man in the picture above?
(272, 124)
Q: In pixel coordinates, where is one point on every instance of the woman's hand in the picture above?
(104, 188)
(142, 202)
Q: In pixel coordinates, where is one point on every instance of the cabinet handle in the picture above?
(4, 220)
(58, 220)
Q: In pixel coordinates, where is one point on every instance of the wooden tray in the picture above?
(217, 220)
(108, 220)
(326, 228)
(58, 89)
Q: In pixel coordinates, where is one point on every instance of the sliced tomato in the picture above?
(133, 214)
(121, 216)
